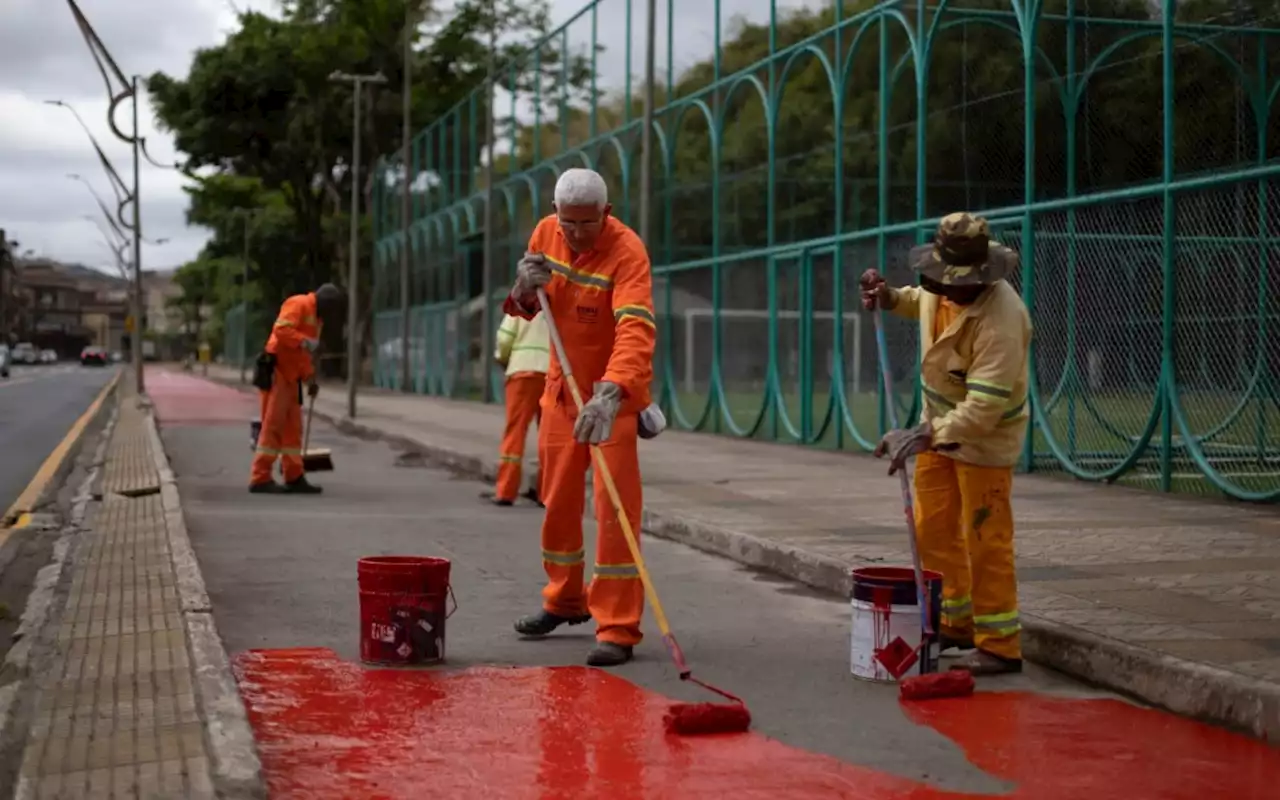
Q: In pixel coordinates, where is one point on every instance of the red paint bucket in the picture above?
(887, 642)
(402, 609)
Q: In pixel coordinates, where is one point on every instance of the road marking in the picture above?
(49, 469)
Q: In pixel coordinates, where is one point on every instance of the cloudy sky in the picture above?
(43, 57)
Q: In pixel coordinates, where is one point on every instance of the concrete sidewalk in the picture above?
(1173, 600)
(128, 686)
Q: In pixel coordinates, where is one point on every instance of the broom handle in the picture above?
(677, 655)
(306, 436)
(882, 355)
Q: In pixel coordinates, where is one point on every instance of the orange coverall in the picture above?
(281, 435)
(602, 305)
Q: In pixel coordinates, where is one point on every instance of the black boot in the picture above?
(495, 500)
(531, 494)
(300, 486)
(544, 622)
(266, 487)
(608, 654)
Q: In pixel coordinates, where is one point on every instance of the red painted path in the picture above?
(330, 730)
(182, 398)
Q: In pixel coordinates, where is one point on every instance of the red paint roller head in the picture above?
(954, 683)
(692, 719)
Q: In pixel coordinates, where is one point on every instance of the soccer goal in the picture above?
(746, 330)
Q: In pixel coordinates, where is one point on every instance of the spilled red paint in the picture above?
(186, 399)
(327, 729)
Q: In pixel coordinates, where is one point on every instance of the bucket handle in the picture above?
(454, 598)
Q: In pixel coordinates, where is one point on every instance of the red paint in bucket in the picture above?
(402, 609)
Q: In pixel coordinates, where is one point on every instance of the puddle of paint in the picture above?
(328, 729)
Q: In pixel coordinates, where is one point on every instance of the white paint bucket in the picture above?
(887, 642)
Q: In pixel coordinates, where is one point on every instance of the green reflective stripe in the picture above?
(635, 312)
(1003, 624)
(309, 320)
(989, 389)
(957, 611)
(535, 347)
(509, 459)
(616, 571)
(1016, 410)
(285, 323)
(934, 396)
(506, 332)
(564, 559)
(941, 403)
(579, 277)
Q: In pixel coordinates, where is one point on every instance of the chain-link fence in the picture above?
(241, 343)
(1129, 157)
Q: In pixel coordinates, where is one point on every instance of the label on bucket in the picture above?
(413, 635)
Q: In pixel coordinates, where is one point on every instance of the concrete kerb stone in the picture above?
(1184, 687)
(236, 768)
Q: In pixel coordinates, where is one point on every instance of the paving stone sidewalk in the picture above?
(1173, 599)
(116, 714)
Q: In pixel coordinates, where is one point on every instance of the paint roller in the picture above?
(954, 683)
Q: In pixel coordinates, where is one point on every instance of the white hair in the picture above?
(581, 187)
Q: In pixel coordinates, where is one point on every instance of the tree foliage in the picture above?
(262, 127)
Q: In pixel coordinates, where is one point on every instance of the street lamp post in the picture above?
(353, 307)
(406, 209)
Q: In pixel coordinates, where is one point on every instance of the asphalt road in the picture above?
(281, 572)
(38, 405)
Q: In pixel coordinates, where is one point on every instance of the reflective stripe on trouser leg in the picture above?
(279, 407)
(941, 540)
(564, 463)
(616, 595)
(523, 393)
(987, 516)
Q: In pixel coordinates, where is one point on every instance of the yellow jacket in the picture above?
(974, 377)
(523, 345)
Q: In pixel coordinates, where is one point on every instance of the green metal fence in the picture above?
(1128, 151)
(235, 347)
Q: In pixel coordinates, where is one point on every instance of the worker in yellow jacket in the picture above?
(523, 348)
(975, 338)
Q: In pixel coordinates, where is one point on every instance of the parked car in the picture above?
(4, 360)
(25, 353)
(94, 357)
(48, 356)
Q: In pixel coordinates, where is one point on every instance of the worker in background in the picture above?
(524, 350)
(595, 271)
(284, 366)
(975, 338)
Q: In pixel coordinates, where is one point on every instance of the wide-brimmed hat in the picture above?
(963, 253)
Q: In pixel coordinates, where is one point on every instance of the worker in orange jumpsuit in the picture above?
(524, 351)
(282, 368)
(975, 339)
(596, 273)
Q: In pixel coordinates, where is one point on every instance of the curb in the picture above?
(1187, 688)
(235, 767)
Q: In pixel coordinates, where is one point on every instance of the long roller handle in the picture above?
(882, 355)
(668, 639)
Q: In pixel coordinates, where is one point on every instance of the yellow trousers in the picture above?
(964, 527)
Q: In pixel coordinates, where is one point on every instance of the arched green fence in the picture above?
(1128, 151)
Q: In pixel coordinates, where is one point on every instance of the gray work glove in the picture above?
(532, 273)
(903, 443)
(595, 422)
(311, 345)
(652, 422)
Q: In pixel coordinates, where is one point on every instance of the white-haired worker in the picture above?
(596, 274)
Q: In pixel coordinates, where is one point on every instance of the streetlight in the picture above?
(353, 328)
(128, 90)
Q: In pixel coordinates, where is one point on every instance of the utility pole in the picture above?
(8, 274)
(406, 91)
(139, 326)
(486, 279)
(646, 132)
(244, 300)
(353, 306)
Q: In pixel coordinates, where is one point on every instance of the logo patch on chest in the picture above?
(588, 315)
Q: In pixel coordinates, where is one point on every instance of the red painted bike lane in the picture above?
(328, 729)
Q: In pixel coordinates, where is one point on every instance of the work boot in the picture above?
(608, 654)
(980, 663)
(946, 643)
(544, 622)
(531, 494)
(300, 486)
(497, 501)
(266, 487)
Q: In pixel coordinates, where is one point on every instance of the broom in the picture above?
(320, 459)
(681, 718)
(922, 687)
